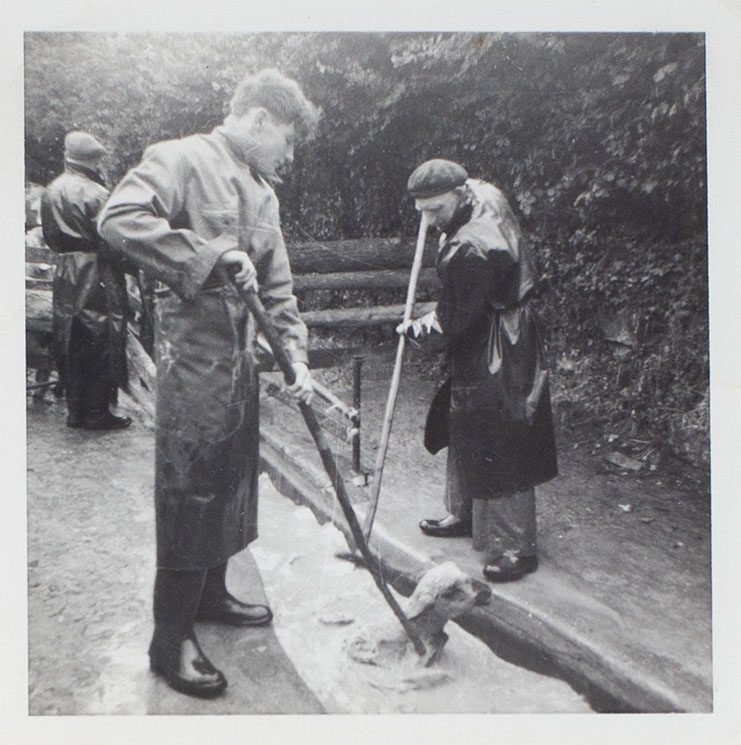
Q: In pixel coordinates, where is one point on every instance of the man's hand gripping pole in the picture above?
(255, 306)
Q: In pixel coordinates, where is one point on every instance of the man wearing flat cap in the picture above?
(90, 301)
(493, 413)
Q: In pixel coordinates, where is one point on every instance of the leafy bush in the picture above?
(597, 139)
(660, 290)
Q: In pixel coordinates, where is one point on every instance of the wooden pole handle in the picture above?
(265, 325)
(395, 381)
(255, 306)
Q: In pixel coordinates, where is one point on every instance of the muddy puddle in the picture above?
(321, 601)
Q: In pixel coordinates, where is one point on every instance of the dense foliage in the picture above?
(597, 139)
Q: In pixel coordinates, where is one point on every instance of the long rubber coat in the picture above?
(494, 411)
(89, 293)
(175, 214)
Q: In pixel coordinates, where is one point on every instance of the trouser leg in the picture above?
(214, 586)
(97, 396)
(177, 595)
(88, 382)
(457, 500)
(95, 376)
(505, 525)
(74, 366)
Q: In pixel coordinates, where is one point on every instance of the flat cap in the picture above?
(81, 147)
(435, 177)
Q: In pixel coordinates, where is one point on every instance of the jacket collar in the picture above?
(91, 173)
(246, 155)
(460, 217)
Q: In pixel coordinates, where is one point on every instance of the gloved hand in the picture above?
(422, 326)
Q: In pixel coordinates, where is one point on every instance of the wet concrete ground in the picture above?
(321, 601)
(621, 603)
(91, 569)
(91, 566)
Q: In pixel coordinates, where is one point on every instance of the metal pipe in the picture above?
(357, 365)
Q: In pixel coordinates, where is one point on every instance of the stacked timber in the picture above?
(39, 276)
(362, 264)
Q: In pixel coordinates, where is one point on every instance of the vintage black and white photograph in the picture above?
(367, 372)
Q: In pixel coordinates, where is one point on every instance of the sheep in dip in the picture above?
(442, 593)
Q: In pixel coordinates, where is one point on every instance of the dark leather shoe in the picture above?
(105, 420)
(227, 609)
(187, 669)
(508, 568)
(457, 529)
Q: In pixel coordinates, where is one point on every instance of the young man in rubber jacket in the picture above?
(177, 216)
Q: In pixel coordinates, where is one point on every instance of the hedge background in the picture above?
(597, 139)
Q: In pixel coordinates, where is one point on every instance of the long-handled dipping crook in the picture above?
(395, 380)
(255, 306)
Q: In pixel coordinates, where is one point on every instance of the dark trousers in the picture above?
(178, 594)
(84, 374)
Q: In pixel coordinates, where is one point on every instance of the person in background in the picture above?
(90, 305)
(192, 208)
(493, 413)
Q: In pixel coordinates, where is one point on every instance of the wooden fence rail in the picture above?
(363, 264)
(356, 255)
(376, 315)
(382, 279)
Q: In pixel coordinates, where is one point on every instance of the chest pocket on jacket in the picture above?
(219, 219)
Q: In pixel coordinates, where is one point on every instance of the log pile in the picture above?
(359, 255)
(373, 264)
(39, 274)
(363, 264)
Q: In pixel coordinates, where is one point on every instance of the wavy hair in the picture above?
(279, 95)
